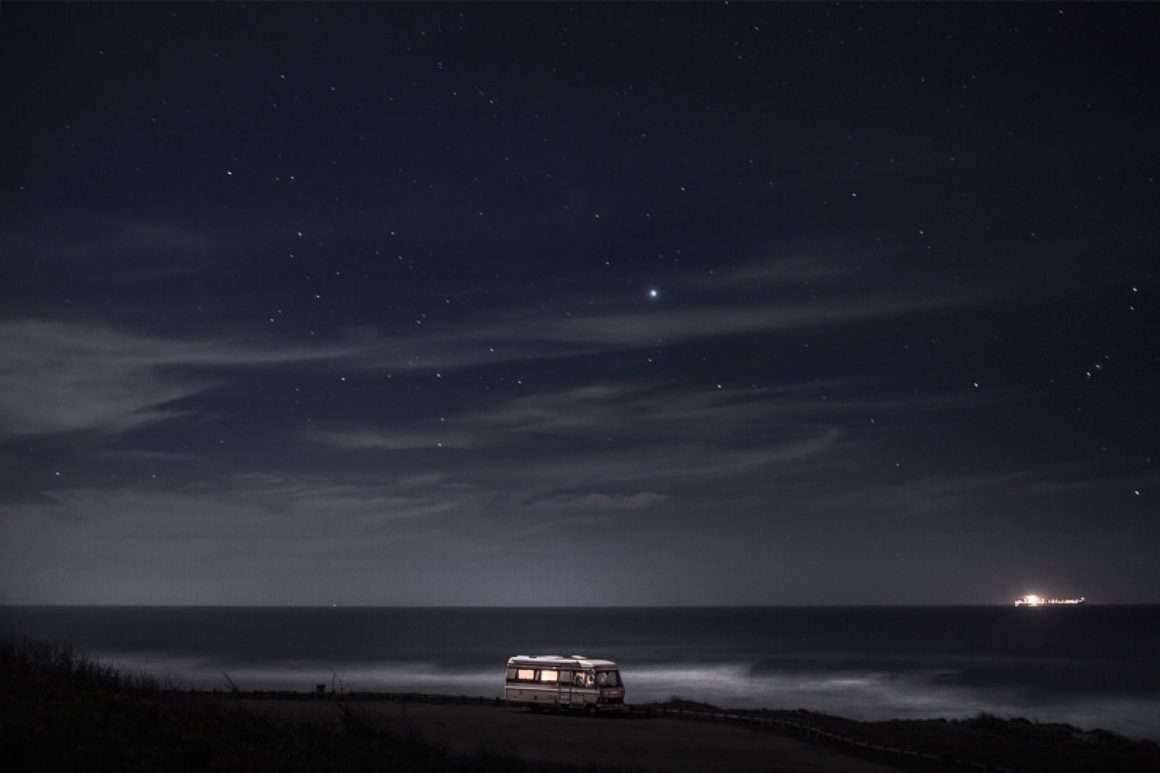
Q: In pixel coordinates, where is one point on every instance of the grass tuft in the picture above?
(60, 711)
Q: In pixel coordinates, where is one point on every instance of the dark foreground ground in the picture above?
(638, 742)
(59, 711)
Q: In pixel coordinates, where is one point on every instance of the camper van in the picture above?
(558, 682)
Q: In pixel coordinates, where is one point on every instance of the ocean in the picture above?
(1090, 666)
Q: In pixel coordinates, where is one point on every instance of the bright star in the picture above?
(654, 292)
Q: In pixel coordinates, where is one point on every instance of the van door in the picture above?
(564, 688)
(585, 683)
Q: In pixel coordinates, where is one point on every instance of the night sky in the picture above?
(579, 304)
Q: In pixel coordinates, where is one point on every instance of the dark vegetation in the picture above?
(983, 742)
(1016, 744)
(60, 711)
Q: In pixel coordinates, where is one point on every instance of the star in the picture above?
(654, 293)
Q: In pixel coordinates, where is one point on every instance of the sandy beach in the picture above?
(618, 741)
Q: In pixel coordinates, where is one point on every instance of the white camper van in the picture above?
(554, 681)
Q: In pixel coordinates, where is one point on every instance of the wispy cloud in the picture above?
(58, 377)
(673, 326)
(596, 502)
(371, 439)
(975, 495)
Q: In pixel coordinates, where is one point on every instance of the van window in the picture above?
(565, 677)
(526, 675)
(608, 679)
(549, 675)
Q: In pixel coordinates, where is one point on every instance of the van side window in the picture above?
(549, 675)
(511, 674)
(526, 675)
(565, 677)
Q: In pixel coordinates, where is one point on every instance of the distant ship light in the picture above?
(1034, 600)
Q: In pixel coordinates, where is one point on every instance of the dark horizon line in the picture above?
(569, 606)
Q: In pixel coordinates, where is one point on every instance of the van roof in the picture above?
(559, 661)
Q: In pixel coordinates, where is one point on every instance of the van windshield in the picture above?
(608, 679)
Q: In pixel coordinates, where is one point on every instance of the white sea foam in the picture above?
(866, 695)
(878, 696)
(1091, 669)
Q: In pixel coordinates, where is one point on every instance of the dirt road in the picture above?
(637, 743)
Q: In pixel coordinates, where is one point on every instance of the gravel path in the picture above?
(636, 743)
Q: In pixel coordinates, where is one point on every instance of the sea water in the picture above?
(1090, 666)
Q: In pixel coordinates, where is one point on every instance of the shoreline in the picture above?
(65, 712)
(1089, 670)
